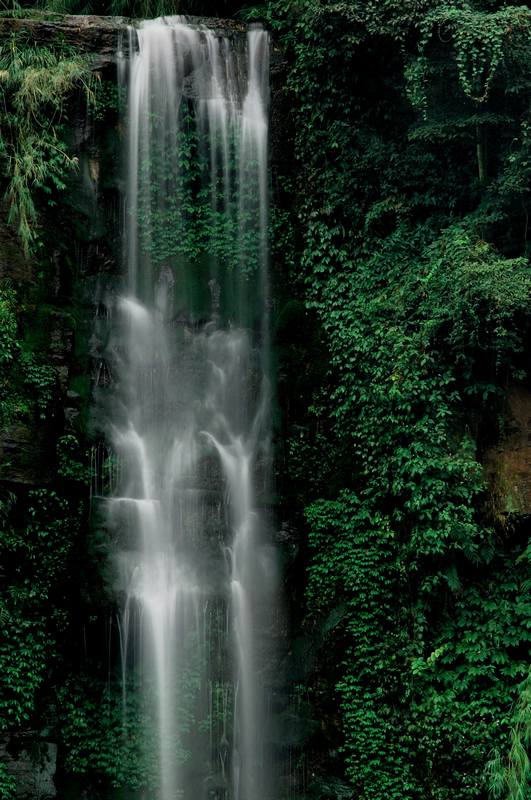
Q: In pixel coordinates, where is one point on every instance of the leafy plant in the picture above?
(412, 262)
(509, 779)
(35, 85)
(8, 353)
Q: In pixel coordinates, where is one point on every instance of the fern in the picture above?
(35, 85)
(510, 779)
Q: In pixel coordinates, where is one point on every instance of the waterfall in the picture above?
(189, 419)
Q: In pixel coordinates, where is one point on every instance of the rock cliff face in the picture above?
(96, 35)
(92, 204)
(13, 264)
(63, 304)
(92, 34)
(55, 312)
(32, 761)
(508, 464)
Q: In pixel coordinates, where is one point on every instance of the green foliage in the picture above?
(106, 97)
(8, 353)
(28, 385)
(468, 676)
(511, 780)
(36, 556)
(103, 737)
(7, 783)
(139, 9)
(192, 222)
(41, 380)
(356, 555)
(72, 461)
(35, 84)
(483, 42)
(109, 732)
(409, 211)
(401, 222)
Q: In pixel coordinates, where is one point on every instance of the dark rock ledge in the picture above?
(92, 34)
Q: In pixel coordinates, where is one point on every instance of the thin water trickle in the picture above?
(189, 422)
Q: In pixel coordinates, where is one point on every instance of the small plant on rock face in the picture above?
(27, 384)
(8, 352)
(35, 85)
(509, 778)
(7, 783)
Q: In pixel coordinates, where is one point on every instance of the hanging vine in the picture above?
(481, 42)
(35, 83)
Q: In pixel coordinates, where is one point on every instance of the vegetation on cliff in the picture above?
(409, 205)
(400, 240)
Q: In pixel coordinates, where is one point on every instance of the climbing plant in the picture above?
(34, 609)
(401, 128)
(35, 85)
(483, 42)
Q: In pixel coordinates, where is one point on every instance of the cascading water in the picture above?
(189, 419)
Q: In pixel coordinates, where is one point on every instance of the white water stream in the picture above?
(190, 416)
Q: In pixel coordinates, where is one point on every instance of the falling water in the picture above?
(189, 419)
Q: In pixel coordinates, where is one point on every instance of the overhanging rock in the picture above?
(92, 34)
